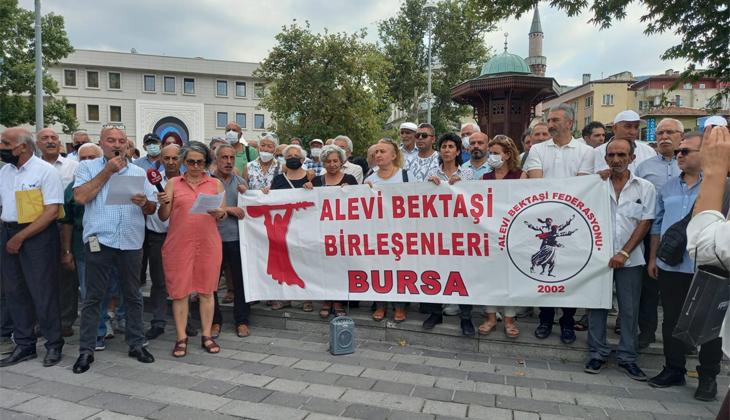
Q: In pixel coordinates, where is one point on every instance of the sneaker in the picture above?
(523, 311)
(121, 326)
(109, 330)
(146, 342)
(706, 390)
(595, 366)
(499, 317)
(668, 377)
(111, 315)
(100, 344)
(452, 310)
(7, 345)
(632, 371)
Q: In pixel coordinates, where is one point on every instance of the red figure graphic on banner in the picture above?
(549, 234)
(279, 266)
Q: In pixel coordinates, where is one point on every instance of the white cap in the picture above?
(715, 120)
(409, 126)
(630, 116)
(317, 141)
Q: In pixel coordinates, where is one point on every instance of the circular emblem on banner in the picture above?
(549, 241)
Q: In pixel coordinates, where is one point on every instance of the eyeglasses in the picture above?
(423, 135)
(191, 163)
(502, 137)
(117, 126)
(684, 151)
(668, 132)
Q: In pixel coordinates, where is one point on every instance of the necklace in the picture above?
(395, 170)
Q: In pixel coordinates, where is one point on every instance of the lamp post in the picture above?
(38, 69)
(429, 8)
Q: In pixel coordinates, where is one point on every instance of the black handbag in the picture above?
(674, 242)
(704, 308)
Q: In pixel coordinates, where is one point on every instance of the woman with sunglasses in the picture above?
(193, 248)
(505, 163)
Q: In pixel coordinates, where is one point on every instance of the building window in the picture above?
(575, 106)
(221, 119)
(687, 86)
(115, 114)
(92, 113)
(258, 91)
(241, 120)
(607, 100)
(702, 85)
(71, 107)
(149, 83)
(589, 102)
(240, 89)
(115, 80)
(92, 79)
(169, 84)
(189, 86)
(258, 122)
(69, 78)
(644, 105)
(221, 88)
(586, 121)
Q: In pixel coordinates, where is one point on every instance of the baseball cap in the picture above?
(409, 126)
(148, 138)
(317, 141)
(716, 120)
(630, 116)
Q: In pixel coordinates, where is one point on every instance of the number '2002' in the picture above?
(550, 289)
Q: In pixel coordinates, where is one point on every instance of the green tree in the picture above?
(458, 51)
(17, 67)
(323, 85)
(703, 25)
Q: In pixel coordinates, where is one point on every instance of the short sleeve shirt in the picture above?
(642, 152)
(560, 162)
(636, 202)
(419, 167)
(33, 175)
(228, 228)
(395, 179)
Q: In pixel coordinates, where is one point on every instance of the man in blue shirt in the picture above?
(674, 201)
(479, 153)
(113, 236)
(153, 147)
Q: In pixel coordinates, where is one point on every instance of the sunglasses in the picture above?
(117, 126)
(423, 135)
(684, 151)
(191, 163)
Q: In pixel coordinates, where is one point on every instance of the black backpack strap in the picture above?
(405, 175)
(248, 155)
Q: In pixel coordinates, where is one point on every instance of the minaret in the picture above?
(536, 61)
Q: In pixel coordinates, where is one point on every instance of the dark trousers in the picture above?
(68, 289)
(241, 308)
(6, 321)
(649, 303)
(98, 275)
(547, 316)
(158, 291)
(145, 258)
(437, 309)
(30, 278)
(673, 288)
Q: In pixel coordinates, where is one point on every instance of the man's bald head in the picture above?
(19, 141)
(49, 143)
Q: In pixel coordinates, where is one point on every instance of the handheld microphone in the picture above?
(155, 178)
(116, 153)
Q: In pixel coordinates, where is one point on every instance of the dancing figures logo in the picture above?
(279, 265)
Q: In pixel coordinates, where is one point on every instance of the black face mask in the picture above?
(78, 146)
(6, 155)
(294, 163)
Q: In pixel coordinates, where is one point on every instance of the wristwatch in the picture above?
(65, 252)
(624, 253)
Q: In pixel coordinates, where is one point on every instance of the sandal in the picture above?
(280, 304)
(307, 306)
(212, 347)
(617, 328)
(269, 302)
(487, 327)
(194, 298)
(179, 348)
(339, 310)
(325, 311)
(228, 298)
(582, 324)
(511, 330)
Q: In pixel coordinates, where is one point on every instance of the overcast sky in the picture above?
(244, 30)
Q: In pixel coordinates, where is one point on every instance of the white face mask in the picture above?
(266, 156)
(281, 159)
(495, 161)
(465, 142)
(316, 152)
(232, 137)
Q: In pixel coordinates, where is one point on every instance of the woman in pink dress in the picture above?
(193, 247)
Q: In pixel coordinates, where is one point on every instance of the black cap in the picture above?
(151, 137)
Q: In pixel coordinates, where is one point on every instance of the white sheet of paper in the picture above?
(122, 189)
(206, 202)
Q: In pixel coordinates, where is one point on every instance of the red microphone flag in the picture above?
(155, 178)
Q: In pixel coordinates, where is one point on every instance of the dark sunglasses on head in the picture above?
(422, 135)
(685, 151)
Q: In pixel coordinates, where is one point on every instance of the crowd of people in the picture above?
(78, 243)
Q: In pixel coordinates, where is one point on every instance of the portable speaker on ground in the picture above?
(342, 335)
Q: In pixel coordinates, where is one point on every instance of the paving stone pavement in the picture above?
(276, 374)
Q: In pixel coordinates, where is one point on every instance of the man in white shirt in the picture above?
(625, 126)
(408, 139)
(560, 157)
(594, 134)
(344, 143)
(30, 251)
(419, 164)
(633, 202)
(80, 138)
(50, 146)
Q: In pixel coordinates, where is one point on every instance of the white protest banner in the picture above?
(542, 242)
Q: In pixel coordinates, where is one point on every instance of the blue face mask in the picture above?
(154, 149)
